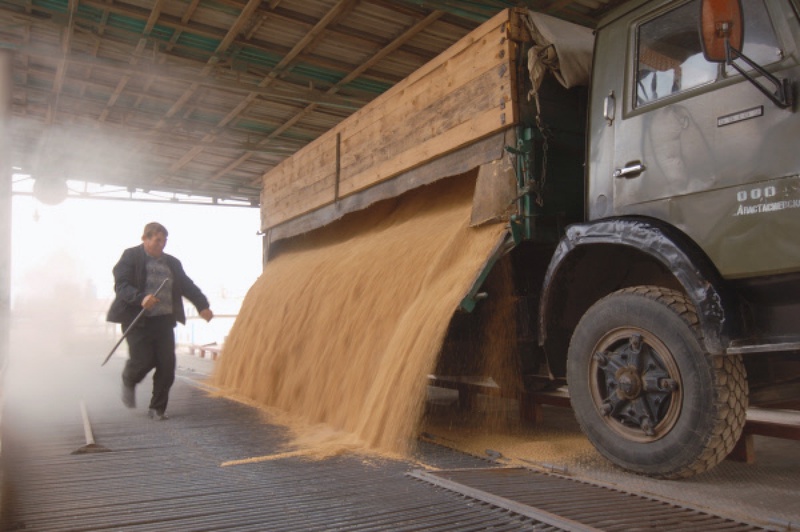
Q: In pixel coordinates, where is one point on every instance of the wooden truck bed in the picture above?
(464, 96)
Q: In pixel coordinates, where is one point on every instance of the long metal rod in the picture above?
(141, 313)
(71, 195)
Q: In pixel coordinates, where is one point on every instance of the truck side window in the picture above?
(669, 55)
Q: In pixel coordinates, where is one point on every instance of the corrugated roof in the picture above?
(203, 97)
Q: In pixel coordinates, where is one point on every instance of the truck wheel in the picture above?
(645, 392)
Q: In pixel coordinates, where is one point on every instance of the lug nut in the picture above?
(647, 426)
(636, 342)
(668, 384)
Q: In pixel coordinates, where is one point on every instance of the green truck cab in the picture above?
(674, 302)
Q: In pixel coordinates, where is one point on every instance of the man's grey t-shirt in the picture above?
(157, 271)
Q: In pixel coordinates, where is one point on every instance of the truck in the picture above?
(649, 180)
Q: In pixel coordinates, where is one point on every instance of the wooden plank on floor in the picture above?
(775, 423)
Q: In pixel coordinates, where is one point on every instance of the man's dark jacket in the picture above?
(130, 275)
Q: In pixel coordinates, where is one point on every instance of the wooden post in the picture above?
(744, 450)
(530, 410)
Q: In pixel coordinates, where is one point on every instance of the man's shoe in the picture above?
(155, 414)
(128, 396)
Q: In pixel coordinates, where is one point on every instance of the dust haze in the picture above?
(58, 338)
(62, 260)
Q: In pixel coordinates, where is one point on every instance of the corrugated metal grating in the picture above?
(167, 476)
(575, 505)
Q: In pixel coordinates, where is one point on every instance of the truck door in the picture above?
(701, 148)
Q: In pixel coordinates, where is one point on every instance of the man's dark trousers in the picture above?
(151, 344)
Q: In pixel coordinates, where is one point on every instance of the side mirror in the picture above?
(721, 27)
(722, 37)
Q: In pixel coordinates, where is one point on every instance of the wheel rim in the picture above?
(635, 384)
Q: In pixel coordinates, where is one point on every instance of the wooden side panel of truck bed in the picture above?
(463, 95)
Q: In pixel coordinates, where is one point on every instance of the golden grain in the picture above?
(345, 324)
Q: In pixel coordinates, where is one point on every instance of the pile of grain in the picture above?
(342, 328)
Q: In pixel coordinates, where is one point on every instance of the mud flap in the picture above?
(495, 192)
(504, 244)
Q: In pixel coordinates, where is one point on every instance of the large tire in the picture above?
(645, 392)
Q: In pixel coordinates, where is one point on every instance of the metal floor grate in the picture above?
(575, 505)
(167, 476)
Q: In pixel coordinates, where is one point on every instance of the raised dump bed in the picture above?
(465, 95)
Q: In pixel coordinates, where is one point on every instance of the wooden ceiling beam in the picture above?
(333, 14)
(226, 41)
(185, 18)
(174, 124)
(236, 28)
(233, 32)
(75, 69)
(393, 45)
(66, 37)
(184, 25)
(203, 31)
(279, 89)
(80, 124)
(151, 21)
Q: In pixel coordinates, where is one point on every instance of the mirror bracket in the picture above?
(722, 39)
(782, 95)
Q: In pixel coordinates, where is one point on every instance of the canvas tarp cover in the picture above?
(562, 47)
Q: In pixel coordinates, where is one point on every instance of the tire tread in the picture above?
(730, 406)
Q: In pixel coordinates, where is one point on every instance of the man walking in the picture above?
(151, 341)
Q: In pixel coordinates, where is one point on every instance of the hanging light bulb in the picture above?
(50, 190)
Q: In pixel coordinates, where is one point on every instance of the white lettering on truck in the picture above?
(745, 210)
(765, 199)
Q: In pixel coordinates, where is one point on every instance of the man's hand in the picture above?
(206, 314)
(149, 301)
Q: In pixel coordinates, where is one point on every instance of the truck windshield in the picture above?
(669, 53)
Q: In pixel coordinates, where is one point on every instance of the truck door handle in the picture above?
(631, 170)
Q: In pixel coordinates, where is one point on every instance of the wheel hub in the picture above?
(629, 383)
(635, 385)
